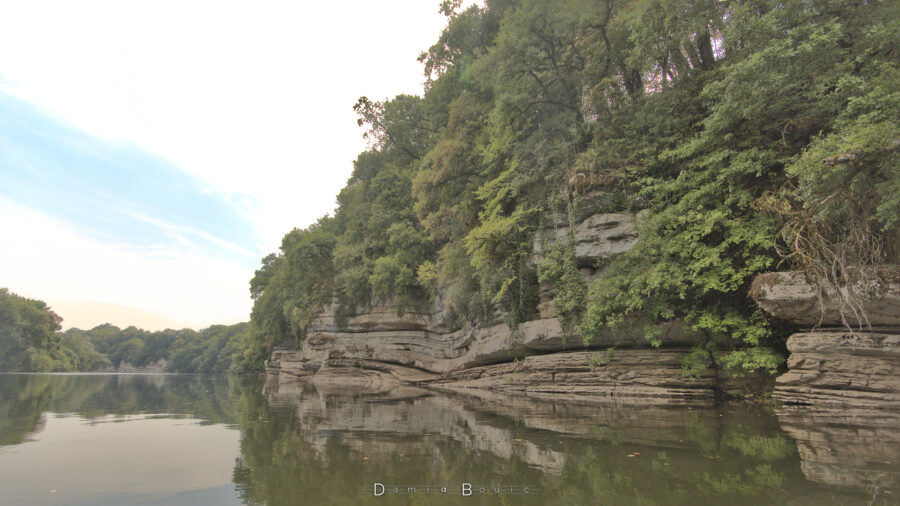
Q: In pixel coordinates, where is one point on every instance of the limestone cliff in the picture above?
(832, 365)
(424, 346)
(841, 393)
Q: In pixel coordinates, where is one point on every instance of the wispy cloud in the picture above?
(255, 100)
(114, 190)
(177, 231)
(85, 220)
(160, 169)
(44, 258)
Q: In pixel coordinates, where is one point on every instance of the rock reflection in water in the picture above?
(848, 448)
(327, 441)
(350, 436)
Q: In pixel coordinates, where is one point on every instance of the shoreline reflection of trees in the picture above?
(327, 448)
(330, 446)
(28, 397)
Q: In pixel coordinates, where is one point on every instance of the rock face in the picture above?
(832, 365)
(841, 392)
(842, 369)
(598, 236)
(788, 296)
(423, 346)
(635, 376)
(536, 360)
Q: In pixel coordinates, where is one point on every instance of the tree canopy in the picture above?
(30, 340)
(754, 134)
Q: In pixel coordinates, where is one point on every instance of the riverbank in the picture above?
(830, 366)
(426, 344)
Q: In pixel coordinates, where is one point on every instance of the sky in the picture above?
(152, 152)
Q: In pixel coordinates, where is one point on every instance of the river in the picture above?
(185, 439)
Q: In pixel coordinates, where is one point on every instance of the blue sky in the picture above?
(115, 192)
(106, 231)
(153, 151)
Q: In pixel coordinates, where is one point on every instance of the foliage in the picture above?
(838, 212)
(603, 358)
(558, 270)
(30, 341)
(28, 334)
(215, 349)
(750, 132)
(295, 283)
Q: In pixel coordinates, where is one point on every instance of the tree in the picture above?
(28, 338)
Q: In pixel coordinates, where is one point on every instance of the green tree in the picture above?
(28, 333)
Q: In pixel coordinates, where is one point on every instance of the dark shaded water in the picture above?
(172, 439)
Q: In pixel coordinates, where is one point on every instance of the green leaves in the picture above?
(28, 334)
(501, 243)
(558, 269)
(724, 120)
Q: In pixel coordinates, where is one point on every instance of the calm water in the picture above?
(171, 439)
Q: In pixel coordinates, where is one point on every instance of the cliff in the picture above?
(830, 364)
(841, 393)
(423, 346)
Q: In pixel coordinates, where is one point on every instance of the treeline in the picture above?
(757, 134)
(30, 340)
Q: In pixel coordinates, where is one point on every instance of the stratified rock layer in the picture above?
(598, 236)
(833, 365)
(423, 345)
(841, 392)
(536, 360)
(641, 376)
(843, 369)
(790, 297)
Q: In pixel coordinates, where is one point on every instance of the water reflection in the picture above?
(25, 398)
(107, 439)
(575, 453)
(208, 439)
(849, 449)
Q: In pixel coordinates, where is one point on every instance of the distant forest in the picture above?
(30, 340)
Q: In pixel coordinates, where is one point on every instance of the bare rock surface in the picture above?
(596, 237)
(790, 297)
(834, 366)
(535, 359)
(642, 376)
(856, 370)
